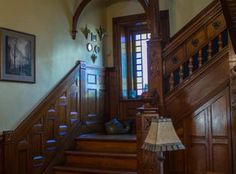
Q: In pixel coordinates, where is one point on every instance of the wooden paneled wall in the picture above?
(206, 133)
(37, 143)
(95, 97)
(203, 85)
(124, 109)
(199, 102)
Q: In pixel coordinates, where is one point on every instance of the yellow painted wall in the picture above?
(56, 52)
(182, 11)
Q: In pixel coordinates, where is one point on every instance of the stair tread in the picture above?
(74, 152)
(104, 137)
(75, 169)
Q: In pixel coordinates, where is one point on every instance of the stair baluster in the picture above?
(181, 74)
(220, 43)
(209, 50)
(171, 81)
(190, 66)
(200, 58)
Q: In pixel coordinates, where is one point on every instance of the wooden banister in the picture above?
(38, 142)
(196, 45)
(195, 54)
(147, 161)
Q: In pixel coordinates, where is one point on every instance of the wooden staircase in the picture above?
(104, 154)
(229, 10)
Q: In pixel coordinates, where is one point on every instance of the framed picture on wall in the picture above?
(17, 56)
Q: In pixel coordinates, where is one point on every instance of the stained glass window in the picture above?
(141, 61)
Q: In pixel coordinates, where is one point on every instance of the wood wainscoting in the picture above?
(206, 133)
(38, 142)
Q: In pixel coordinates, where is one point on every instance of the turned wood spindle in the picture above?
(181, 74)
(171, 81)
(220, 43)
(190, 66)
(200, 58)
(209, 51)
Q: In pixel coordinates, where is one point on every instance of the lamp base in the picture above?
(161, 158)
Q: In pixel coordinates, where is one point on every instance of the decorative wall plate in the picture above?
(89, 47)
(97, 49)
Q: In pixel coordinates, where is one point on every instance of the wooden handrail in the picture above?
(186, 61)
(195, 63)
(196, 44)
(205, 16)
(193, 37)
(38, 142)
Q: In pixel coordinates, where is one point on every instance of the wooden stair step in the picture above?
(75, 170)
(107, 143)
(99, 160)
(105, 137)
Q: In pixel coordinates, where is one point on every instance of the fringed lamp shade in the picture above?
(162, 137)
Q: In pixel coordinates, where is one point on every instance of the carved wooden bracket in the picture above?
(84, 3)
(76, 17)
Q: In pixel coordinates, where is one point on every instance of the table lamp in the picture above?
(161, 138)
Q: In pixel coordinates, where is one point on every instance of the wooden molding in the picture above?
(200, 72)
(199, 89)
(205, 16)
(230, 17)
(34, 146)
(76, 16)
(81, 7)
(207, 142)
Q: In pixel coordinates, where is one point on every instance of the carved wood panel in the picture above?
(33, 145)
(207, 136)
(147, 161)
(95, 97)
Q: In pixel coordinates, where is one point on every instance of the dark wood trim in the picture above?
(229, 13)
(165, 27)
(118, 24)
(76, 16)
(81, 7)
(145, 4)
(68, 143)
(221, 63)
(191, 27)
(198, 73)
(36, 144)
(21, 129)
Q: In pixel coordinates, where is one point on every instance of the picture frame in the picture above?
(17, 56)
(93, 37)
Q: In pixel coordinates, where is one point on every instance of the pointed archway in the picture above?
(84, 3)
